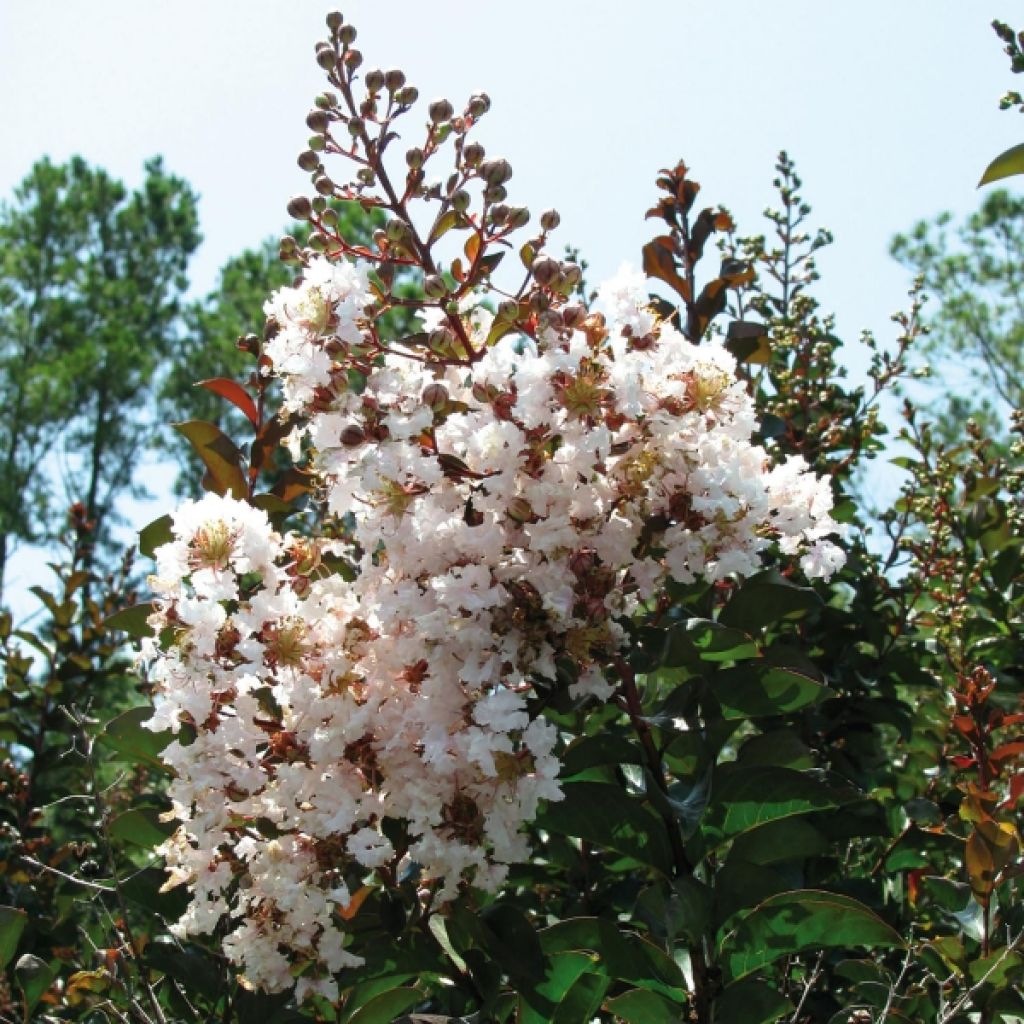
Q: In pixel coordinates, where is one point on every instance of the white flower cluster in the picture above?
(505, 517)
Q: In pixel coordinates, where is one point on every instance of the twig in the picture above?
(809, 983)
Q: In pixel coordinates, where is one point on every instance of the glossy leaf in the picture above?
(765, 599)
(132, 620)
(752, 1002)
(1005, 165)
(743, 800)
(140, 826)
(754, 690)
(386, 1007)
(218, 453)
(127, 735)
(639, 1006)
(12, 924)
(235, 394)
(156, 533)
(792, 922)
(607, 817)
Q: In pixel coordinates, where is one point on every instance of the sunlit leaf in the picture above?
(1005, 165)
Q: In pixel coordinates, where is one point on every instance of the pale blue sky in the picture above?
(888, 106)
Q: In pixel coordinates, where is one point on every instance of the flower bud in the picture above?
(414, 157)
(317, 121)
(495, 194)
(496, 172)
(335, 20)
(353, 436)
(499, 214)
(353, 59)
(473, 154)
(574, 315)
(550, 219)
(394, 79)
(374, 80)
(518, 216)
(460, 201)
(347, 34)
(299, 208)
(572, 274)
(319, 241)
(325, 101)
(325, 56)
(434, 286)
(545, 270)
(308, 160)
(539, 301)
(366, 175)
(323, 185)
(520, 510)
(316, 143)
(478, 105)
(436, 396)
(440, 110)
(395, 229)
(329, 217)
(441, 340)
(407, 96)
(508, 310)
(356, 126)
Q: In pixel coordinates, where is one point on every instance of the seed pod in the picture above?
(299, 207)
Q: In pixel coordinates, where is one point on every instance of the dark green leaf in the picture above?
(755, 690)
(607, 817)
(765, 599)
(698, 640)
(140, 827)
(156, 533)
(35, 976)
(132, 620)
(752, 1002)
(383, 1009)
(792, 922)
(127, 735)
(12, 924)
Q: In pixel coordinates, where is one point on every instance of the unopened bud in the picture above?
(323, 185)
(478, 105)
(434, 286)
(441, 339)
(518, 217)
(508, 310)
(520, 510)
(408, 95)
(356, 126)
(299, 207)
(574, 315)
(545, 270)
(440, 110)
(308, 160)
(374, 80)
(394, 79)
(436, 396)
(353, 436)
(495, 194)
(414, 157)
(329, 217)
(572, 274)
(499, 213)
(496, 172)
(347, 34)
(473, 154)
(353, 59)
(395, 229)
(319, 241)
(317, 121)
(335, 20)
(460, 201)
(325, 56)
(550, 219)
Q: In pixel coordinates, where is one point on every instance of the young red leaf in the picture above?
(235, 394)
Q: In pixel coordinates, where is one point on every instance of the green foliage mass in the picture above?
(91, 283)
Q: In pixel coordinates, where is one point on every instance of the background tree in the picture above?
(91, 282)
(974, 273)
